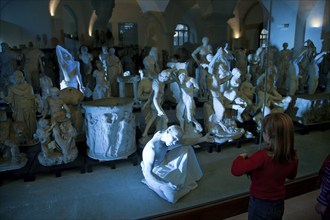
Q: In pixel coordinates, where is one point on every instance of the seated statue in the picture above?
(169, 165)
(69, 70)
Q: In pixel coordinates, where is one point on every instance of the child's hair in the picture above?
(280, 129)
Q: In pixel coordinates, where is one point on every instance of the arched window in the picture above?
(181, 34)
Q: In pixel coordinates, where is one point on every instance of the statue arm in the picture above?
(193, 141)
(148, 157)
(157, 100)
(194, 53)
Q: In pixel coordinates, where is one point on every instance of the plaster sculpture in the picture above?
(110, 128)
(55, 107)
(86, 67)
(144, 88)
(185, 109)
(115, 69)
(284, 59)
(246, 92)
(199, 55)
(103, 58)
(313, 73)
(153, 109)
(292, 83)
(12, 136)
(69, 70)
(150, 62)
(102, 88)
(23, 104)
(8, 64)
(31, 66)
(232, 95)
(61, 147)
(214, 120)
(169, 165)
(305, 57)
(269, 100)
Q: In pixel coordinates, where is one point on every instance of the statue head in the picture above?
(205, 40)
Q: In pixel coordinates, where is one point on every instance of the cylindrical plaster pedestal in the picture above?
(110, 128)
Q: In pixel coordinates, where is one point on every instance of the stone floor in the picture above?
(107, 193)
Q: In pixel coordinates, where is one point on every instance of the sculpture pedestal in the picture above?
(110, 128)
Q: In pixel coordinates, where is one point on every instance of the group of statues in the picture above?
(233, 87)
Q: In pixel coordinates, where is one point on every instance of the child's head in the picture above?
(278, 133)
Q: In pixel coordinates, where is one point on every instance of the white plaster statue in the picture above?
(305, 57)
(292, 83)
(62, 149)
(86, 67)
(10, 156)
(232, 95)
(102, 88)
(69, 70)
(199, 55)
(150, 62)
(115, 69)
(185, 109)
(284, 58)
(218, 77)
(144, 88)
(169, 165)
(8, 64)
(31, 66)
(46, 84)
(103, 58)
(153, 107)
(313, 73)
(23, 104)
(214, 121)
